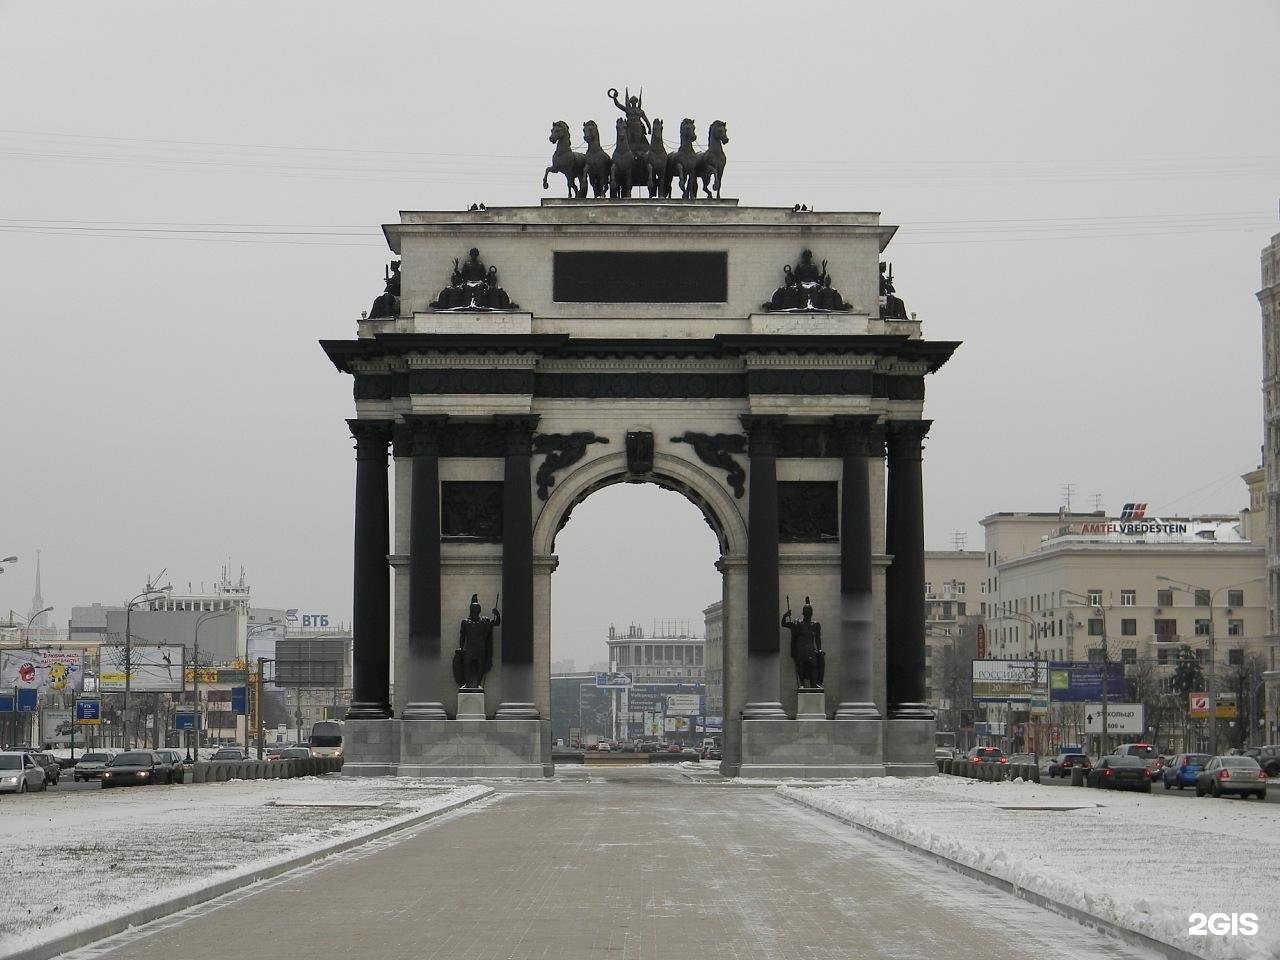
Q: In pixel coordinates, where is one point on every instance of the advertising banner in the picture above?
(208, 675)
(1124, 718)
(613, 681)
(676, 725)
(56, 725)
(644, 700)
(155, 669)
(89, 712)
(43, 669)
(653, 725)
(184, 721)
(684, 704)
(713, 724)
(1228, 709)
(1002, 681)
(1080, 681)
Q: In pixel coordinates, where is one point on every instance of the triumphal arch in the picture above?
(756, 360)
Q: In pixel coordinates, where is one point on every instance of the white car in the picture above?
(19, 772)
(604, 746)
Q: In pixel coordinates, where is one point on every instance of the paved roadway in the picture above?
(628, 864)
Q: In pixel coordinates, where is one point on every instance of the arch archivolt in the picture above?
(672, 472)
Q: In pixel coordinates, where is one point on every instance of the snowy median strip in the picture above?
(1136, 863)
(85, 865)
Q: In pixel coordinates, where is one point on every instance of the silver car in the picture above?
(1223, 775)
(91, 764)
(19, 772)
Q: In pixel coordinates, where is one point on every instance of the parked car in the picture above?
(1145, 752)
(92, 764)
(1063, 763)
(673, 748)
(1182, 768)
(1115, 772)
(52, 769)
(1268, 758)
(987, 755)
(136, 768)
(173, 762)
(19, 772)
(295, 753)
(228, 753)
(1223, 775)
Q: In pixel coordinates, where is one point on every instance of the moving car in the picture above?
(173, 762)
(92, 764)
(52, 769)
(19, 772)
(135, 768)
(987, 755)
(1063, 763)
(1115, 772)
(295, 753)
(228, 753)
(1182, 768)
(1223, 775)
(326, 738)
(1144, 752)
(1268, 758)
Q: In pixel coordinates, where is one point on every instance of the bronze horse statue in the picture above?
(629, 167)
(684, 161)
(597, 161)
(660, 162)
(564, 160)
(711, 162)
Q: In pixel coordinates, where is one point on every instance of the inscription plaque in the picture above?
(609, 276)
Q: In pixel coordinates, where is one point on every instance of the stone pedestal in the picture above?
(371, 748)
(908, 747)
(774, 749)
(475, 748)
(811, 705)
(471, 705)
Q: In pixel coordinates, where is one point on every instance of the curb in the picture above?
(1131, 937)
(144, 915)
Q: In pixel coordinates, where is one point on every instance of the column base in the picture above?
(471, 704)
(424, 711)
(809, 749)
(908, 746)
(811, 704)
(475, 748)
(764, 710)
(364, 710)
(371, 748)
(910, 711)
(516, 710)
(850, 710)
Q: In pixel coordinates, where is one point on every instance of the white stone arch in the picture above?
(673, 473)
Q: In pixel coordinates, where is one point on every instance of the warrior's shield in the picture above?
(459, 667)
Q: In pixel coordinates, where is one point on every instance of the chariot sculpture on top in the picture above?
(639, 157)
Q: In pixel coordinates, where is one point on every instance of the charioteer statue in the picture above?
(806, 646)
(891, 307)
(473, 287)
(806, 286)
(474, 656)
(387, 303)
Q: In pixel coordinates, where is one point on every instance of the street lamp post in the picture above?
(195, 670)
(1106, 657)
(26, 631)
(145, 596)
(1213, 657)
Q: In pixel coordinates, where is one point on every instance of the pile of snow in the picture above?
(1144, 862)
(75, 859)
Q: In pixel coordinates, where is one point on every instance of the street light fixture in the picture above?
(26, 631)
(1082, 600)
(1213, 687)
(195, 669)
(147, 595)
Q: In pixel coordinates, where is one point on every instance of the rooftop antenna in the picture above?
(1097, 501)
(959, 540)
(1068, 491)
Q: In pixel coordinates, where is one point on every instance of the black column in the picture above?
(861, 438)
(425, 662)
(371, 600)
(763, 619)
(904, 587)
(517, 572)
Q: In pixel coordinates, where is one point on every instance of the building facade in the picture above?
(953, 613)
(1269, 300)
(713, 627)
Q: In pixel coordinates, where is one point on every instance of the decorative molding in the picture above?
(714, 450)
(471, 510)
(562, 450)
(472, 439)
(628, 386)
(808, 511)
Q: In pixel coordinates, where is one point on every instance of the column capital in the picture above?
(424, 431)
(906, 437)
(762, 431)
(518, 430)
(371, 437)
(860, 435)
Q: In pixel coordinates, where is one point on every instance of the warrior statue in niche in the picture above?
(806, 646)
(474, 656)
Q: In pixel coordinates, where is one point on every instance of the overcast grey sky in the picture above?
(1083, 191)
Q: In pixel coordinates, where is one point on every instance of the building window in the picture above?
(960, 608)
(1235, 628)
(1129, 654)
(1095, 655)
(1166, 629)
(1202, 655)
(1095, 597)
(960, 588)
(1235, 656)
(1235, 598)
(1164, 598)
(928, 588)
(1128, 628)
(1162, 655)
(1202, 628)
(1128, 598)
(1203, 598)
(1095, 626)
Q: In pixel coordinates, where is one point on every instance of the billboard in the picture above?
(44, 669)
(310, 663)
(56, 725)
(653, 725)
(684, 704)
(1079, 681)
(613, 681)
(1002, 681)
(1198, 704)
(676, 725)
(644, 700)
(89, 712)
(1125, 718)
(153, 669)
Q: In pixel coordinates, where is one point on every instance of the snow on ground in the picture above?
(1142, 862)
(73, 859)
